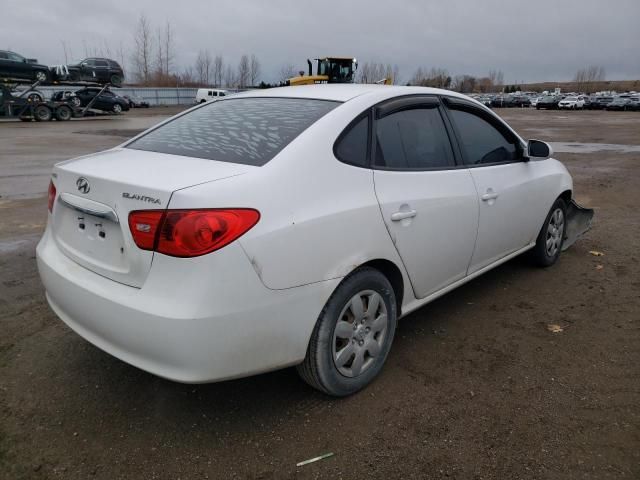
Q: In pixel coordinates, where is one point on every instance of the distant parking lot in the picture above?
(476, 385)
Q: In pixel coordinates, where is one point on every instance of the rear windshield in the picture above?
(250, 131)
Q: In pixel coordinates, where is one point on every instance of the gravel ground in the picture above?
(476, 386)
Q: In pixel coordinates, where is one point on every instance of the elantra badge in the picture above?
(142, 198)
(83, 185)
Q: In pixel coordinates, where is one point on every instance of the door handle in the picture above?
(397, 216)
(490, 195)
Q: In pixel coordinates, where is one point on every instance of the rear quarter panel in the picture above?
(320, 218)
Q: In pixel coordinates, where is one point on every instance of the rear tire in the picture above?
(551, 237)
(42, 113)
(353, 335)
(63, 113)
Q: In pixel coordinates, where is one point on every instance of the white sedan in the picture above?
(572, 103)
(294, 226)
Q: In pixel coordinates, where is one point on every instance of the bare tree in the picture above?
(287, 71)
(230, 79)
(587, 78)
(496, 77)
(376, 72)
(464, 83)
(200, 68)
(168, 48)
(142, 53)
(218, 70)
(66, 52)
(243, 71)
(436, 77)
(396, 75)
(254, 70)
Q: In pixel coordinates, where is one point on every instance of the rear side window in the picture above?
(249, 131)
(413, 139)
(353, 145)
(482, 142)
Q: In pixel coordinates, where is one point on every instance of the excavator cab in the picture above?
(328, 70)
(337, 69)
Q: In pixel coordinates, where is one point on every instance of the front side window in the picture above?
(249, 131)
(482, 142)
(413, 139)
(15, 57)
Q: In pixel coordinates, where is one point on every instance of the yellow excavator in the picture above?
(328, 70)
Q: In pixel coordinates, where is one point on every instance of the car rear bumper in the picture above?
(182, 325)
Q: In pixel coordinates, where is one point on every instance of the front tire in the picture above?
(41, 76)
(117, 108)
(551, 236)
(115, 80)
(353, 335)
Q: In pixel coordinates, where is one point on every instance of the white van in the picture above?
(208, 94)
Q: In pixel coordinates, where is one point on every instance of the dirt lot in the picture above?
(476, 386)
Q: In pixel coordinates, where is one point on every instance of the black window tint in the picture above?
(482, 142)
(250, 131)
(413, 139)
(352, 146)
(101, 63)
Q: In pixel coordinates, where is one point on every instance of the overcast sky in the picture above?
(528, 40)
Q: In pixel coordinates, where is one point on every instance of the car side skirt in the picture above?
(416, 304)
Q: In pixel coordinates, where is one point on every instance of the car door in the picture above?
(87, 72)
(4, 64)
(101, 70)
(18, 66)
(428, 203)
(511, 196)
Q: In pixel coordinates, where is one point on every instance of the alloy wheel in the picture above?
(555, 231)
(360, 333)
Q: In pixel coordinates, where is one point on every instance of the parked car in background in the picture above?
(601, 103)
(33, 95)
(107, 100)
(99, 70)
(619, 103)
(498, 101)
(13, 65)
(534, 101)
(213, 224)
(519, 101)
(135, 101)
(634, 104)
(550, 102)
(572, 103)
(66, 95)
(208, 94)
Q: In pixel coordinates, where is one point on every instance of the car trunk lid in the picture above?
(96, 194)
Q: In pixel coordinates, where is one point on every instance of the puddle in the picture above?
(573, 147)
(27, 242)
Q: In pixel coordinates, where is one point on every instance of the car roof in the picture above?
(344, 92)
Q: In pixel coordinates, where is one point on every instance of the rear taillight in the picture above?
(189, 233)
(52, 195)
(144, 225)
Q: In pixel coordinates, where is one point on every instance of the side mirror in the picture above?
(538, 149)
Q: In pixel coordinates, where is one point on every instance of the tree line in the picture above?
(152, 63)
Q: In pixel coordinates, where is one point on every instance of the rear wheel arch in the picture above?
(393, 274)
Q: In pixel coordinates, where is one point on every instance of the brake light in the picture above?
(52, 195)
(189, 233)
